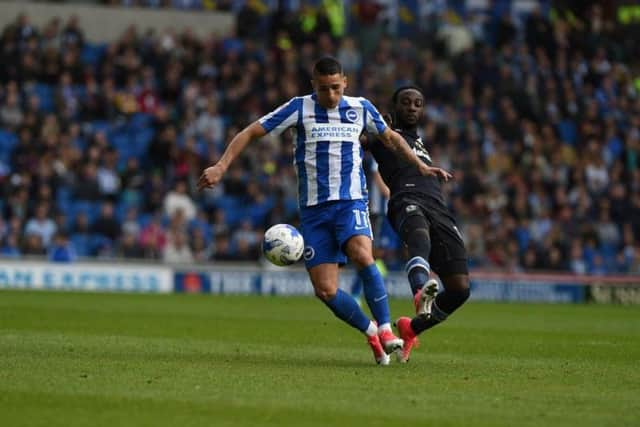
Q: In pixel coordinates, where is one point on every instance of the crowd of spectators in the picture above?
(222, 5)
(101, 145)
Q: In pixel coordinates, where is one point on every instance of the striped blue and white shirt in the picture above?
(327, 154)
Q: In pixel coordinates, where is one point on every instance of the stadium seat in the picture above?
(81, 244)
(120, 140)
(45, 94)
(92, 53)
(144, 219)
(568, 131)
(100, 126)
(205, 227)
(89, 208)
(388, 239)
(140, 121)
(141, 140)
(99, 243)
(291, 205)
(64, 200)
(130, 198)
(258, 212)
(64, 193)
(8, 140)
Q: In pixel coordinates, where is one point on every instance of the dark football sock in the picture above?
(446, 302)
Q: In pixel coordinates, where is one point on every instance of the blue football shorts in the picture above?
(327, 227)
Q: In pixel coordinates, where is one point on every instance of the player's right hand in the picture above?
(210, 176)
(439, 173)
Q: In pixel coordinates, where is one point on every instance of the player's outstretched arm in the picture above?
(212, 175)
(396, 143)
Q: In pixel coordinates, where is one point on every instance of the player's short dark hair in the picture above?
(396, 94)
(327, 66)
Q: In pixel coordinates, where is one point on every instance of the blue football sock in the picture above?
(418, 273)
(347, 309)
(375, 293)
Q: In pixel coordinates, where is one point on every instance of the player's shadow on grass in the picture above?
(314, 361)
(222, 356)
(275, 359)
(121, 350)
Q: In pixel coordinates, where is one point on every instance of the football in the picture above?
(282, 245)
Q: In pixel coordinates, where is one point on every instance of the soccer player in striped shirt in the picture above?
(332, 193)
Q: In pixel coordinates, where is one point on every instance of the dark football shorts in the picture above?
(448, 255)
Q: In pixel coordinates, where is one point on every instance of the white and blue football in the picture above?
(282, 245)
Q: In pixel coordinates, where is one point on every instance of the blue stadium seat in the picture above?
(234, 209)
(80, 91)
(8, 140)
(5, 167)
(141, 140)
(80, 143)
(98, 242)
(207, 229)
(5, 159)
(258, 212)
(188, 5)
(235, 215)
(291, 205)
(203, 148)
(89, 208)
(64, 193)
(144, 219)
(81, 244)
(92, 53)
(387, 237)
(100, 126)
(64, 200)
(568, 132)
(123, 207)
(46, 95)
(130, 198)
(140, 121)
(226, 202)
(120, 140)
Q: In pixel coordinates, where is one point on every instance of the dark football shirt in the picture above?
(402, 177)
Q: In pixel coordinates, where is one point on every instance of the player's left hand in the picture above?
(437, 172)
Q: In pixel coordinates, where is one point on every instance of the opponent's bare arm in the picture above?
(213, 174)
(396, 143)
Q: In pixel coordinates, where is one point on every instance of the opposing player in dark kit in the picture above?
(418, 213)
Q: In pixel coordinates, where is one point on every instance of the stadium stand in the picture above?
(536, 112)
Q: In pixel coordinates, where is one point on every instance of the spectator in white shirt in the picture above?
(179, 199)
(177, 250)
(41, 224)
(108, 178)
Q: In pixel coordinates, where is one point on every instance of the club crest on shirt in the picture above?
(352, 115)
(421, 151)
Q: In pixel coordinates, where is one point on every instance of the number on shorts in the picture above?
(362, 219)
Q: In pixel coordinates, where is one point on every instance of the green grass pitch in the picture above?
(69, 359)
